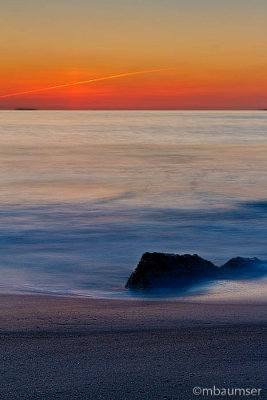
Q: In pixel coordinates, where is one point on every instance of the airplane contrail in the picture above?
(83, 82)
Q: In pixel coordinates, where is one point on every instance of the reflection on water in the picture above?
(84, 194)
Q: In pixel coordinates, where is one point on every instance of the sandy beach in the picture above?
(79, 348)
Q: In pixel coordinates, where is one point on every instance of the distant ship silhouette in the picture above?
(25, 109)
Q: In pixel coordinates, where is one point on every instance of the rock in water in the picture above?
(165, 270)
(159, 270)
(239, 267)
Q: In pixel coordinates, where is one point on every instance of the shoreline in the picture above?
(151, 296)
(20, 313)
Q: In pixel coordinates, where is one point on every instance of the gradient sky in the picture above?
(216, 51)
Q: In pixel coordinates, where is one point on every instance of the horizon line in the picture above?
(130, 109)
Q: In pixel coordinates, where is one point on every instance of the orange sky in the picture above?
(216, 52)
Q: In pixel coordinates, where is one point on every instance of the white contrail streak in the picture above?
(83, 82)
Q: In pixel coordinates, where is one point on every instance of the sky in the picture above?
(212, 54)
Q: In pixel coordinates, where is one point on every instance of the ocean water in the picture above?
(85, 193)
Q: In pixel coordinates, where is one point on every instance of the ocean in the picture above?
(85, 193)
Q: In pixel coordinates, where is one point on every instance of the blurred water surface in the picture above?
(85, 193)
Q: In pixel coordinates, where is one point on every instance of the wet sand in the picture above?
(78, 348)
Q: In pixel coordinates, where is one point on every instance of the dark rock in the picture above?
(240, 266)
(165, 270)
(240, 262)
(160, 270)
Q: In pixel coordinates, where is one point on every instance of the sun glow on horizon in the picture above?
(216, 50)
(109, 77)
